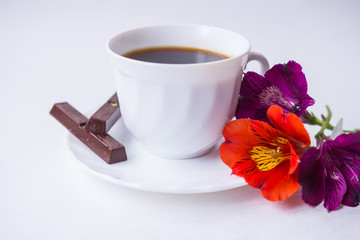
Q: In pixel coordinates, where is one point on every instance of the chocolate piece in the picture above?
(104, 118)
(105, 146)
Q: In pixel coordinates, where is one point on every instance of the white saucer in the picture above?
(145, 171)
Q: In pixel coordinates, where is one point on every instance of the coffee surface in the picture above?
(174, 55)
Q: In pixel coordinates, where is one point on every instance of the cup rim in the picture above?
(231, 58)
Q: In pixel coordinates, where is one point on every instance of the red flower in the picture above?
(266, 157)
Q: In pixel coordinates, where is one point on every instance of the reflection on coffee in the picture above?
(174, 55)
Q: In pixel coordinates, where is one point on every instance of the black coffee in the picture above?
(174, 55)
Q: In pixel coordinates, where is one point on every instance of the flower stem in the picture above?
(353, 131)
(321, 123)
(311, 119)
(325, 124)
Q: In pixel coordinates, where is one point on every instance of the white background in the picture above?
(53, 51)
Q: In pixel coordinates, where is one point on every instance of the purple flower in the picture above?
(331, 172)
(283, 85)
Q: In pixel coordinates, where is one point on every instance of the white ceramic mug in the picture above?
(179, 110)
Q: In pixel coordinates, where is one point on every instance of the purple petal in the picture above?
(256, 95)
(346, 151)
(332, 172)
(291, 81)
(350, 141)
(289, 78)
(246, 109)
(253, 84)
(311, 177)
(335, 187)
(283, 85)
(351, 173)
(249, 105)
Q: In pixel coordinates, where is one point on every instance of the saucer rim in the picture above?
(70, 141)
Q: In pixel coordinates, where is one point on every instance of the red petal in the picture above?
(238, 143)
(294, 161)
(263, 133)
(231, 153)
(258, 178)
(241, 136)
(237, 132)
(280, 185)
(236, 146)
(290, 124)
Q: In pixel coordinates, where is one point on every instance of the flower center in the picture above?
(268, 158)
(273, 96)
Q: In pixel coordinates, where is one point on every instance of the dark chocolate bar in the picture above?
(105, 146)
(104, 118)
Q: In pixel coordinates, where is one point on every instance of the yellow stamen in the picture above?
(276, 155)
(268, 158)
(279, 141)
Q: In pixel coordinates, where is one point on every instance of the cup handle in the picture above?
(264, 64)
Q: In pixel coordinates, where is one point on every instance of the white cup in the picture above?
(179, 110)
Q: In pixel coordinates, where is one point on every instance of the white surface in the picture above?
(167, 107)
(53, 51)
(144, 171)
